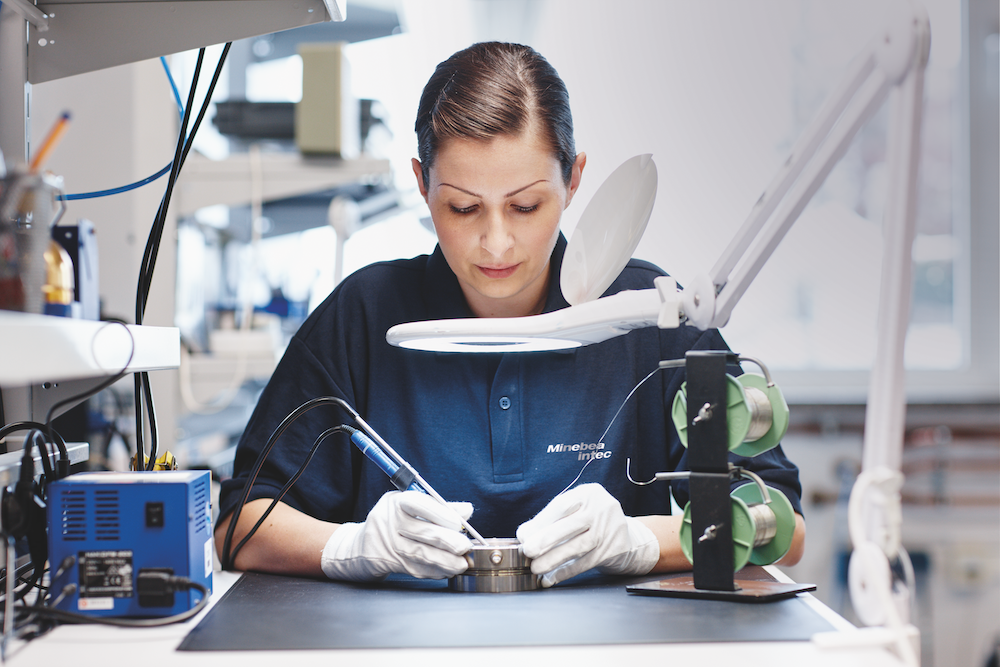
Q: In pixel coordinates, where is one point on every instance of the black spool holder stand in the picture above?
(711, 507)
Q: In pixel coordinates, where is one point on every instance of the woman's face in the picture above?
(496, 207)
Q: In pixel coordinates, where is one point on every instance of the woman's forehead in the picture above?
(506, 162)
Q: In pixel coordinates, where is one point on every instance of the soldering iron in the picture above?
(401, 473)
(403, 476)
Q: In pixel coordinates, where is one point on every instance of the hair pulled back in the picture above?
(493, 89)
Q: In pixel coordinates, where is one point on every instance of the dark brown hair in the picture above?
(492, 89)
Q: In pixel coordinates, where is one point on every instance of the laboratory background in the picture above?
(717, 92)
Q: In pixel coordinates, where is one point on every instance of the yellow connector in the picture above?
(165, 461)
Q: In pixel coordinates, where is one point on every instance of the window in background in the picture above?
(824, 298)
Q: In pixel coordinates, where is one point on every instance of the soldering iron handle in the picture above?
(401, 478)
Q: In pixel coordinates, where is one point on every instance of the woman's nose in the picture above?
(496, 239)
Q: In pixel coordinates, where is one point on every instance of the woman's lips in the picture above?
(498, 272)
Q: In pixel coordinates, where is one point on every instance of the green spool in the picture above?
(739, 415)
(744, 530)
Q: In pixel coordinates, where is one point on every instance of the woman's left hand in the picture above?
(586, 528)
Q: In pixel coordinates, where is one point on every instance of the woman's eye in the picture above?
(526, 209)
(462, 210)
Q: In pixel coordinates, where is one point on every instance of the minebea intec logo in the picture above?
(583, 450)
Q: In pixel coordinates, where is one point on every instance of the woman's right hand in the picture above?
(406, 532)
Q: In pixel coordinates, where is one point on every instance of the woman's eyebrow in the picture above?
(472, 194)
(509, 194)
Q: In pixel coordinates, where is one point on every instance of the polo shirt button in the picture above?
(504, 403)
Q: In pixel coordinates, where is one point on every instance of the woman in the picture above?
(505, 433)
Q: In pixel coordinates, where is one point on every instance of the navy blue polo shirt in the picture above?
(506, 432)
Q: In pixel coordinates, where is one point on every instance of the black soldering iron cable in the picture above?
(184, 148)
(226, 558)
(288, 485)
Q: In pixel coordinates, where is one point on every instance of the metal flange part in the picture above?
(496, 567)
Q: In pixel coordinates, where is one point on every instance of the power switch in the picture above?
(154, 515)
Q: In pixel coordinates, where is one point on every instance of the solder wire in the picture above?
(620, 408)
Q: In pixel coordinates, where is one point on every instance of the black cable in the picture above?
(35, 438)
(63, 470)
(274, 503)
(156, 233)
(24, 508)
(29, 583)
(72, 617)
(140, 446)
(226, 558)
(19, 581)
(184, 147)
(84, 395)
(147, 394)
(149, 258)
(32, 425)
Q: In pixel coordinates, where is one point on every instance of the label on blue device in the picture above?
(104, 576)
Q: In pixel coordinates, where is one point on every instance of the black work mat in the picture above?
(263, 611)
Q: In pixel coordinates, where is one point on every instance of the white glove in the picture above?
(586, 528)
(407, 532)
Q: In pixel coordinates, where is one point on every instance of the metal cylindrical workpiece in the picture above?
(496, 567)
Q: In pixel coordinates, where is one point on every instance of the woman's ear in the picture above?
(575, 176)
(418, 171)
